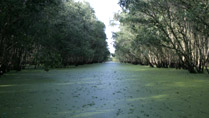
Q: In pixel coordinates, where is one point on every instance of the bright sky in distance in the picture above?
(104, 10)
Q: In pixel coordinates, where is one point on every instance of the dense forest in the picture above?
(49, 33)
(164, 33)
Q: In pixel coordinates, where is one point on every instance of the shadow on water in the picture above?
(107, 90)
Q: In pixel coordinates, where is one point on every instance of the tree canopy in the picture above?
(49, 33)
(164, 33)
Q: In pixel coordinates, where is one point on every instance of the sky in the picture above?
(104, 10)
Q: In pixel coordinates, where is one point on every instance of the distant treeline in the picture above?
(49, 33)
(164, 33)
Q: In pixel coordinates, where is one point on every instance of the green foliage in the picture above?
(164, 33)
(49, 33)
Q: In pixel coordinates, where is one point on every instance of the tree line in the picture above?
(164, 33)
(49, 33)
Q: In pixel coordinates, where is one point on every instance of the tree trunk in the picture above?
(207, 69)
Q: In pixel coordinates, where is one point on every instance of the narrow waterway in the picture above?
(107, 90)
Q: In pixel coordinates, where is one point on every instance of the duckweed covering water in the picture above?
(109, 90)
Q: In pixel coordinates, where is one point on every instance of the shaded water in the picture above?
(108, 90)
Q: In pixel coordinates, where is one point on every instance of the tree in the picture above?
(176, 31)
(49, 33)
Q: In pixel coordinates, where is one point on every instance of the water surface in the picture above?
(108, 90)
